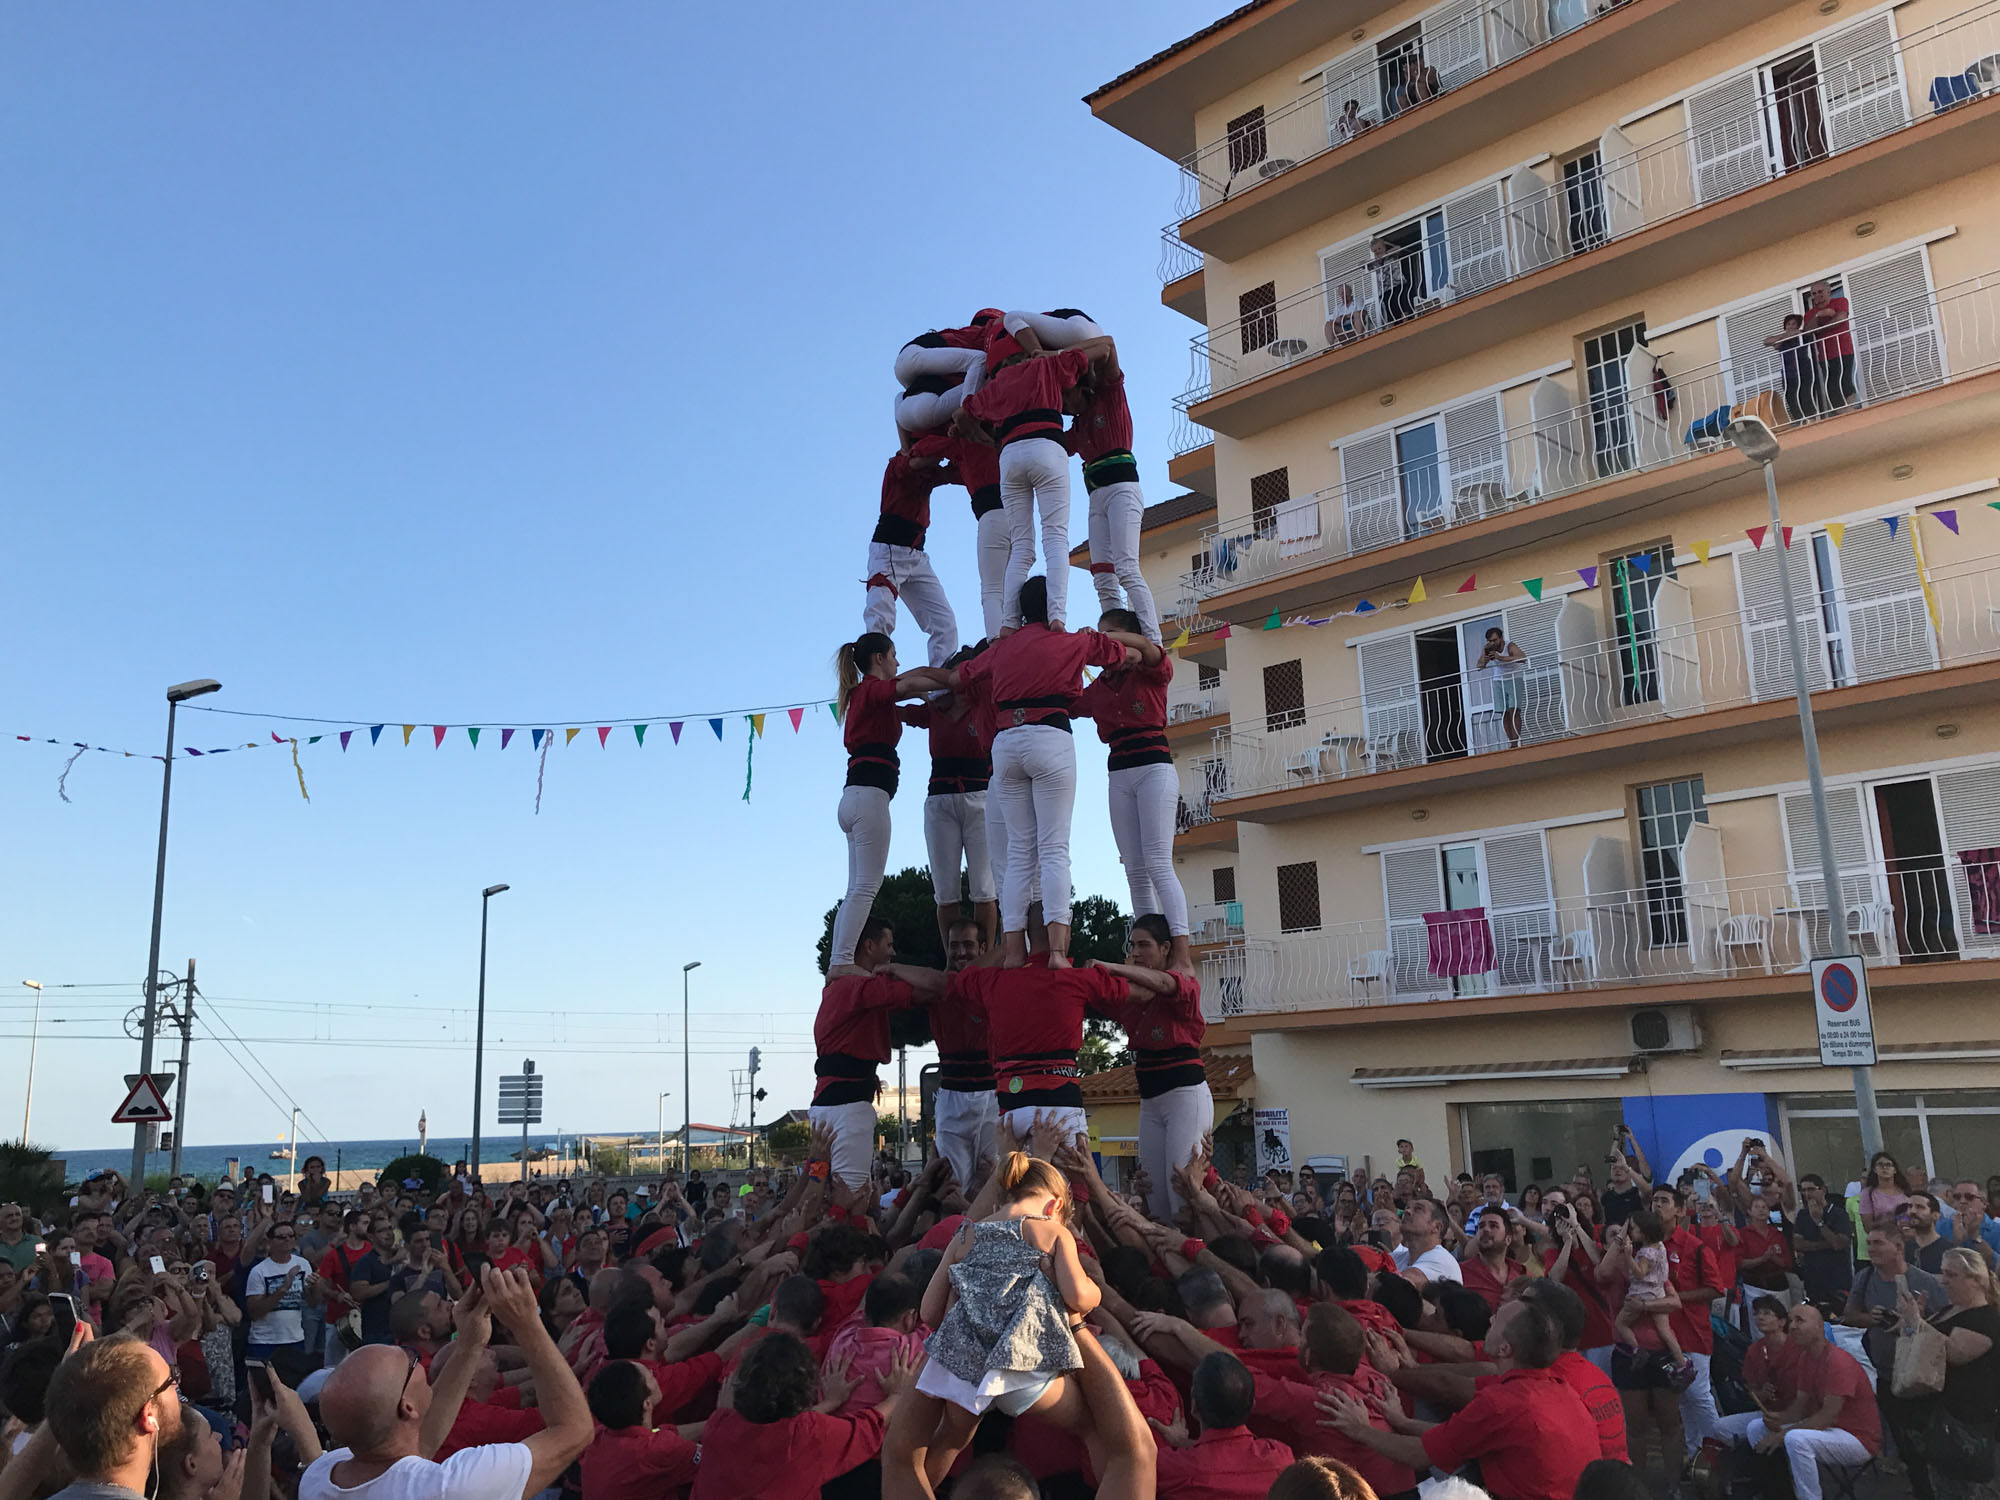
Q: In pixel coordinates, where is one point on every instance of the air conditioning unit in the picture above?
(1666, 1028)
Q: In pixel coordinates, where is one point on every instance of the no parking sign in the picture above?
(1840, 1007)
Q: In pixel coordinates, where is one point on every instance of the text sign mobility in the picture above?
(1842, 1014)
(1274, 1140)
(520, 1099)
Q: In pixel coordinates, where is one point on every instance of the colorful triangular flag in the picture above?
(505, 736)
(311, 739)
(1785, 537)
(1222, 633)
(1893, 522)
(1701, 551)
(1756, 535)
(757, 725)
(674, 728)
(345, 736)
(472, 733)
(1179, 640)
(639, 733)
(375, 733)
(189, 748)
(535, 738)
(1471, 583)
(798, 714)
(1993, 504)
(276, 738)
(834, 709)
(603, 734)
(1417, 592)
(1273, 623)
(1588, 575)
(437, 735)
(1364, 608)
(569, 735)
(1948, 519)
(1534, 588)
(716, 725)
(1642, 561)
(1836, 533)
(408, 730)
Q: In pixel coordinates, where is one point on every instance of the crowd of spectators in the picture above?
(1308, 1337)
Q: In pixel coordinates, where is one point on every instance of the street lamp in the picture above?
(660, 1134)
(33, 1036)
(479, 1041)
(1757, 443)
(176, 695)
(687, 1099)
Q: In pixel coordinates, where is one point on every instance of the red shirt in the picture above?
(961, 761)
(1600, 1398)
(851, 1032)
(637, 1463)
(870, 731)
(480, 1424)
(1832, 333)
(973, 335)
(1370, 1314)
(842, 1297)
(1034, 1020)
(906, 493)
(1374, 1259)
(1133, 697)
(788, 1460)
(965, 1065)
(1828, 1371)
(1288, 1410)
(1598, 1328)
(1104, 426)
(683, 1381)
(1037, 673)
(1690, 1264)
(1477, 1276)
(977, 467)
(334, 1269)
(1025, 400)
(1165, 1032)
(939, 1237)
(1763, 1364)
(1225, 1463)
(1725, 1254)
(513, 1256)
(1753, 1240)
(1528, 1430)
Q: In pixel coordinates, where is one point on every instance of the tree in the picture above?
(428, 1169)
(30, 1177)
(789, 1135)
(1097, 930)
(908, 902)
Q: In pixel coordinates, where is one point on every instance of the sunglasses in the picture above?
(410, 1375)
(172, 1382)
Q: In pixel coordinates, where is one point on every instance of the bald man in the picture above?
(89, 1399)
(381, 1407)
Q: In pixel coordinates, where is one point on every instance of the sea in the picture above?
(211, 1163)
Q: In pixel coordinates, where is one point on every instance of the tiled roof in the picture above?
(1230, 1076)
(1178, 508)
(1178, 47)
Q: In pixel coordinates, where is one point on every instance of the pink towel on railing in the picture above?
(1461, 942)
(1982, 880)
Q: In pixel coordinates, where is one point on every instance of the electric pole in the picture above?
(185, 1018)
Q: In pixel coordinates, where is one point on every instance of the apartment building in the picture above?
(1475, 287)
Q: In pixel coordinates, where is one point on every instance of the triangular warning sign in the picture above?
(146, 1104)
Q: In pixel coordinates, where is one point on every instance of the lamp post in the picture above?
(1757, 443)
(176, 695)
(34, 1035)
(687, 1100)
(660, 1134)
(479, 1042)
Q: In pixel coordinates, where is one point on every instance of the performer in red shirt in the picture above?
(955, 810)
(1101, 435)
(1228, 1461)
(966, 1112)
(1130, 707)
(1020, 408)
(628, 1459)
(1034, 676)
(1487, 1270)
(1333, 1366)
(774, 1443)
(1164, 1026)
(938, 370)
(1692, 1273)
(869, 691)
(898, 566)
(851, 1035)
(1767, 1367)
(1833, 1416)
(1592, 1386)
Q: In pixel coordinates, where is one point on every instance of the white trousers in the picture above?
(965, 1123)
(1068, 1118)
(1698, 1413)
(1143, 800)
(1114, 553)
(1737, 1424)
(864, 818)
(1170, 1128)
(1805, 1447)
(1054, 332)
(912, 579)
(916, 360)
(955, 835)
(853, 1127)
(1034, 766)
(996, 548)
(1034, 476)
(998, 847)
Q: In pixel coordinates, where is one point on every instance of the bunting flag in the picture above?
(437, 736)
(1785, 537)
(1701, 550)
(1222, 634)
(1948, 519)
(537, 734)
(749, 751)
(1417, 593)
(1179, 640)
(348, 734)
(1756, 535)
(639, 733)
(505, 736)
(1364, 608)
(1471, 583)
(757, 725)
(1588, 575)
(674, 727)
(569, 735)
(1272, 623)
(1993, 504)
(603, 734)
(1836, 533)
(832, 708)
(472, 733)
(799, 713)
(716, 725)
(408, 730)
(375, 734)
(1892, 522)
(1534, 588)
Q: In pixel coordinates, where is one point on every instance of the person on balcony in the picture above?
(1395, 272)
(1798, 362)
(1349, 321)
(1100, 433)
(1351, 122)
(898, 566)
(1506, 664)
(1831, 329)
(1130, 707)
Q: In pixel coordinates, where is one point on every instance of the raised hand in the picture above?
(836, 1384)
(902, 1371)
(1045, 1137)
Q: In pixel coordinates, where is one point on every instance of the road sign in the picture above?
(1840, 1008)
(161, 1081)
(521, 1096)
(145, 1103)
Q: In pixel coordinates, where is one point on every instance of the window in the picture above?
(1207, 678)
(1224, 879)
(1298, 897)
(1247, 145)
(1267, 492)
(1666, 810)
(1284, 695)
(1610, 421)
(1635, 586)
(1583, 198)
(1257, 313)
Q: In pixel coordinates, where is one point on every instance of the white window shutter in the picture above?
(1764, 638)
(1850, 846)
(1389, 692)
(1896, 343)
(1726, 139)
(1888, 626)
(1533, 211)
(1518, 26)
(1519, 906)
(1747, 365)
(1412, 884)
(1371, 495)
(1455, 41)
(1355, 76)
(1476, 240)
(1347, 265)
(1618, 171)
(1969, 808)
(1561, 460)
(1533, 627)
(1861, 82)
(1475, 442)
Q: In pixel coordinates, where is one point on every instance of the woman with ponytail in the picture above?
(869, 690)
(1164, 1026)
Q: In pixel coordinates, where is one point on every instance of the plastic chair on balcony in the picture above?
(1574, 957)
(1745, 934)
(1369, 968)
(1872, 922)
(1389, 750)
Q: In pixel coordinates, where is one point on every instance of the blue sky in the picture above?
(497, 363)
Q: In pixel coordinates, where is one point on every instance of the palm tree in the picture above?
(30, 1176)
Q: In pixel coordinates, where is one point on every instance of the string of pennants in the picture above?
(1643, 564)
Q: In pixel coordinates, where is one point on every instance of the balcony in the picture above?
(1183, 283)
(1915, 921)
(1213, 923)
(1204, 779)
(1927, 365)
(1897, 641)
(1512, 256)
(1498, 72)
(1199, 713)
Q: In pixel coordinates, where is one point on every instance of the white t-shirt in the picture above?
(494, 1471)
(286, 1324)
(1434, 1263)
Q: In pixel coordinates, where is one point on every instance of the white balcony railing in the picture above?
(1204, 781)
(1903, 345)
(1215, 922)
(1503, 230)
(1449, 55)
(1188, 434)
(1895, 911)
(1197, 702)
(1177, 259)
(1660, 665)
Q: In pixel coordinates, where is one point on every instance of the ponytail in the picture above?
(1035, 600)
(1024, 1176)
(852, 661)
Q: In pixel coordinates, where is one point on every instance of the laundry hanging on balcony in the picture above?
(1461, 942)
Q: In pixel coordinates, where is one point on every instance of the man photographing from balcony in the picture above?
(1506, 665)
